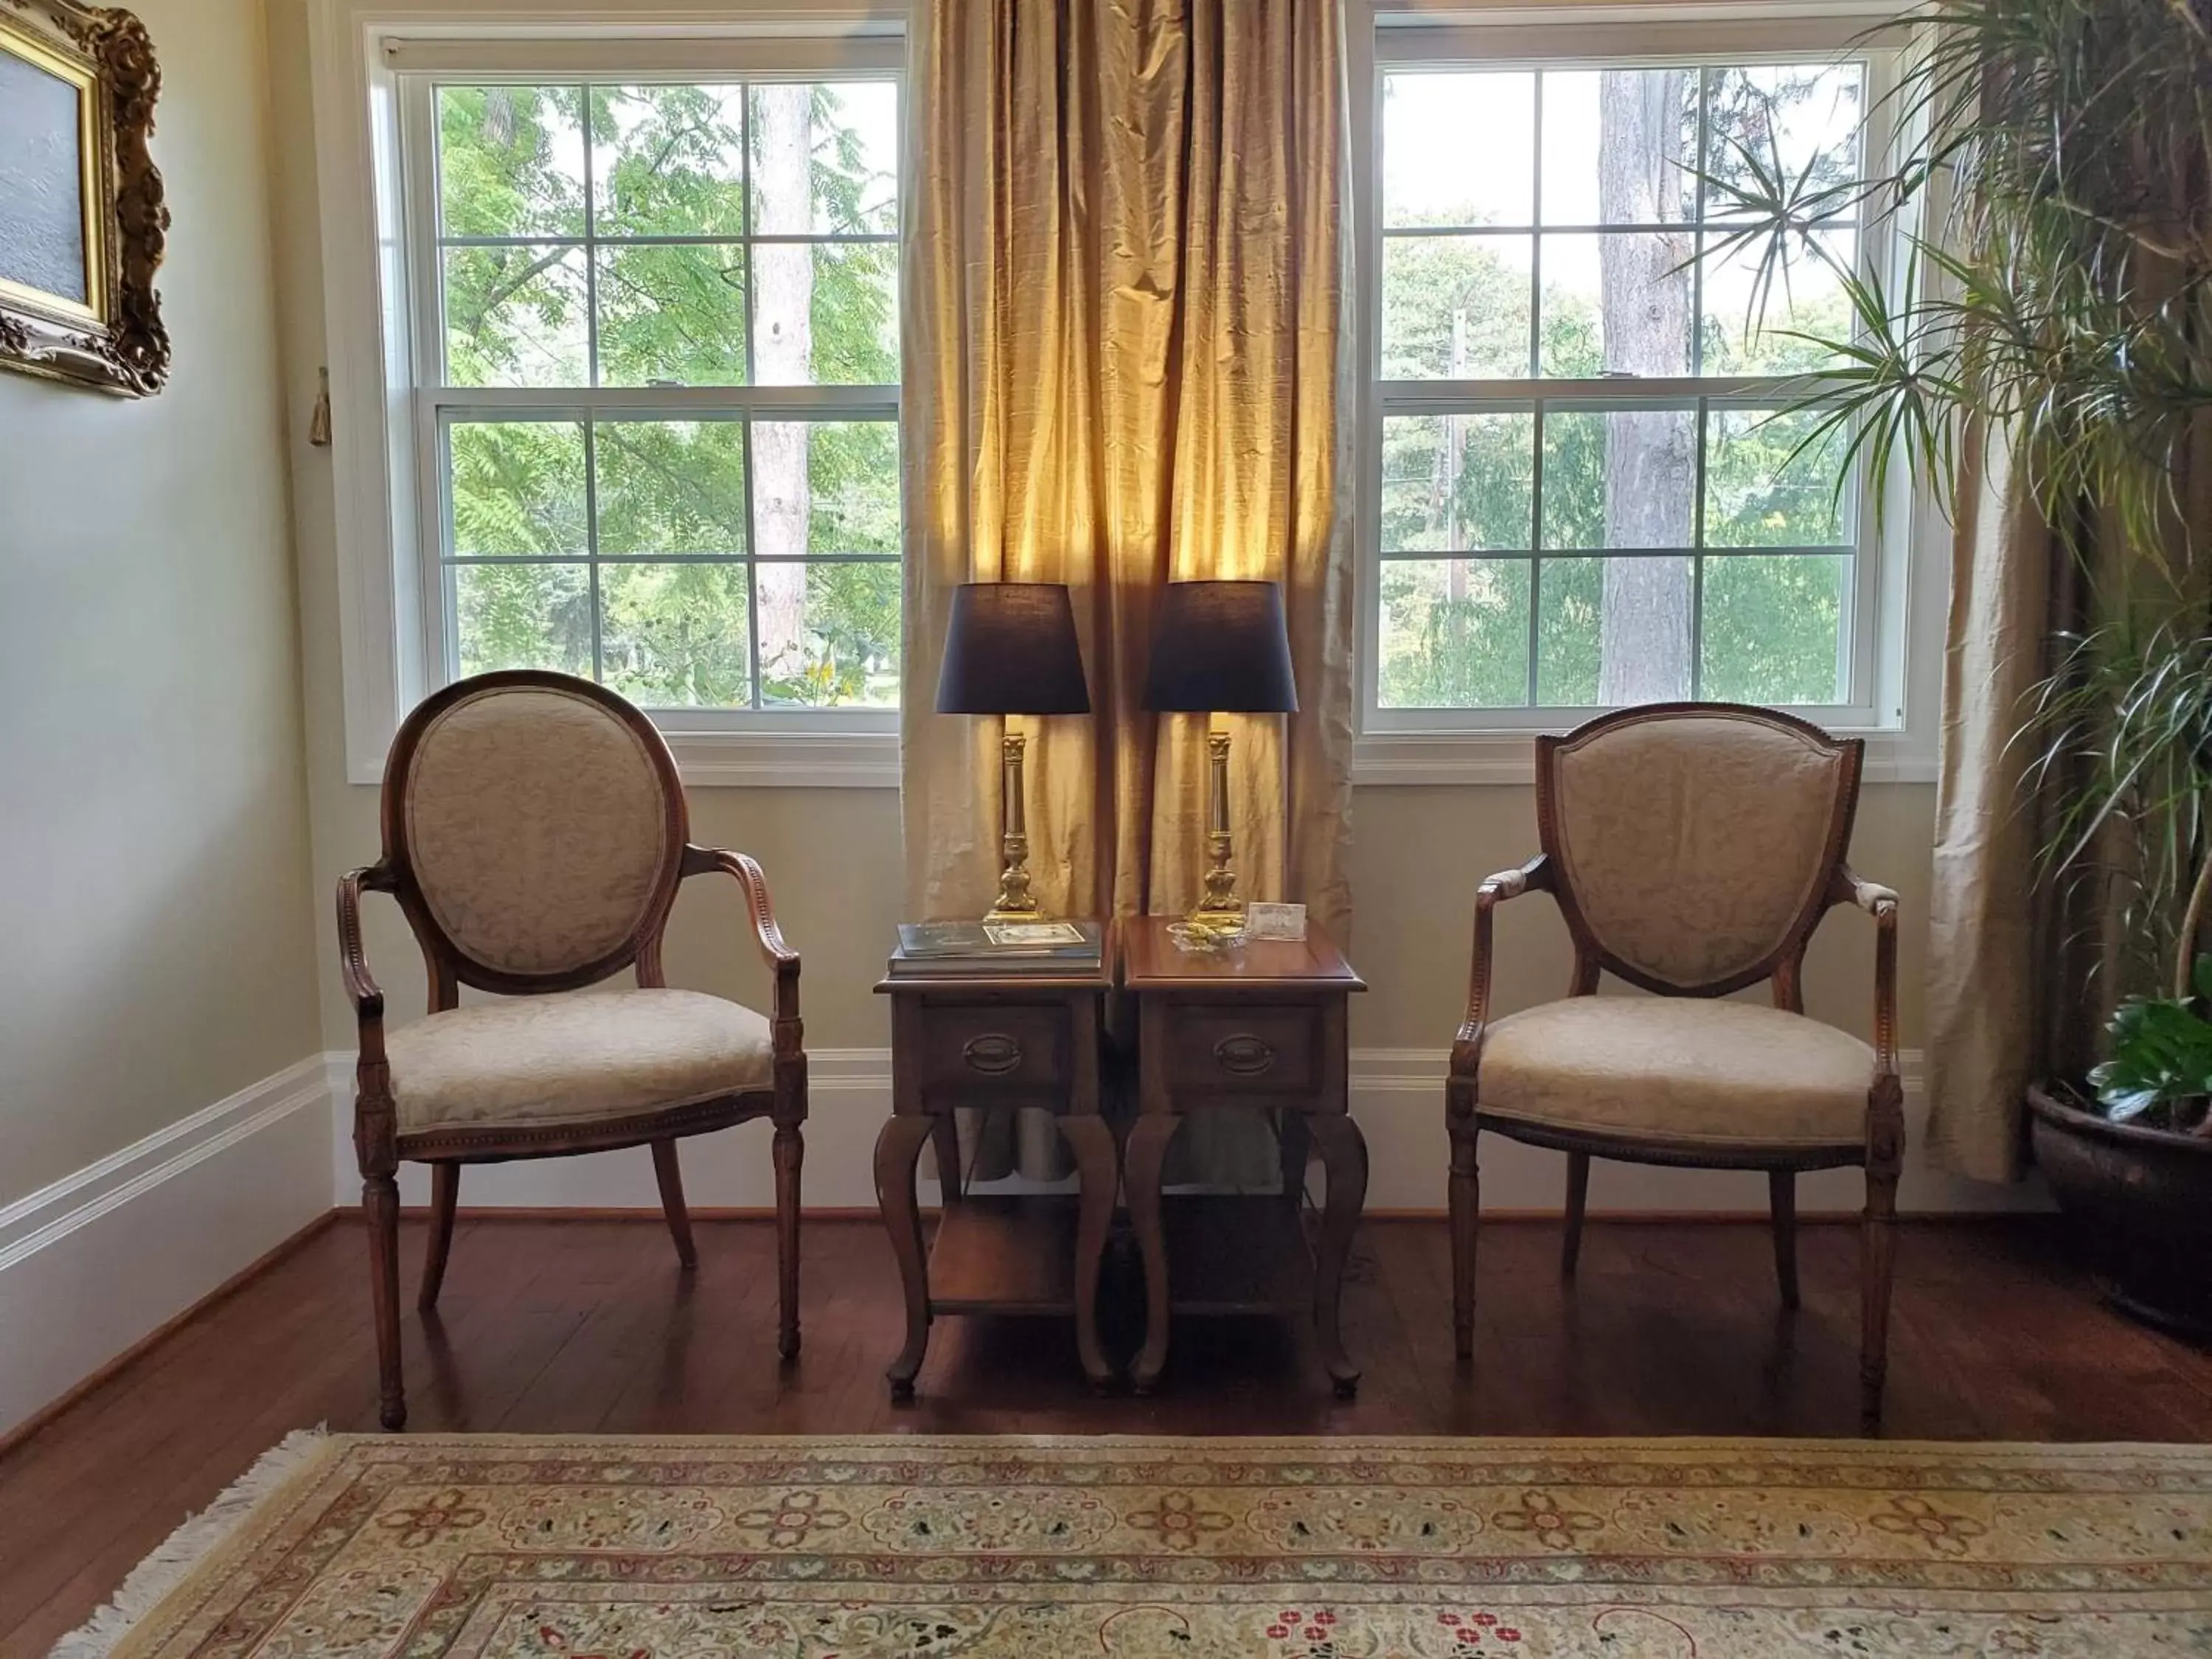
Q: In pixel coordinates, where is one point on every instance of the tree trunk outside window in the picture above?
(783, 342)
(1649, 470)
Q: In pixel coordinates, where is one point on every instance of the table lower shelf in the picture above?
(1226, 1254)
(1005, 1255)
(1235, 1255)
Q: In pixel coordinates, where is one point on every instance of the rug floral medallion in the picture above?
(509, 1548)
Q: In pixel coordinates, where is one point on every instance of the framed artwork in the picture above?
(83, 223)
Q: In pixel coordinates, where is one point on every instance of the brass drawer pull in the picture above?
(994, 1054)
(1243, 1054)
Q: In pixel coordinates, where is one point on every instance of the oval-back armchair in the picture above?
(534, 835)
(1693, 849)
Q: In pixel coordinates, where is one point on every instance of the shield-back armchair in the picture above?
(535, 835)
(1692, 848)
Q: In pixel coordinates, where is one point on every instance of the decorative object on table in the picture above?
(1220, 647)
(2053, 153)
(1011, 1547)
(1024, 1036)
(1692, 848)
(1197, 935)
(1283, 922)
(1262, 1027)
(928, 948)
(1010, 649)
(82, 222)
(535, 834)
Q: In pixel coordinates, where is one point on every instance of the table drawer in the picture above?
(1245, 1049)
(1009, 1046)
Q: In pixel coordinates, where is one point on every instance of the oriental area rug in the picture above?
(1010, 1548)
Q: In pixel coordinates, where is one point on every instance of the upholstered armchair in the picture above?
(535, 835)
(1692, 848)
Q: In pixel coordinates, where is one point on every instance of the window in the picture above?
(1585, 494)
(655, 360)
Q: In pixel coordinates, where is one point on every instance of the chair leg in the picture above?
(1570, 1250)
(790, 1149)
(445, 1195)
(1877, 1260)
(380, 1205)
(669, 1174)
(1782, 1202)
(1466, 1190)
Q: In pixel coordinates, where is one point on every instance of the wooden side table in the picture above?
(1264, 1025)
(1021, 1040)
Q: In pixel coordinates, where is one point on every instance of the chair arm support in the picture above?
(361, 985)
(780, 956)
(1535, 876)
(1881, 903)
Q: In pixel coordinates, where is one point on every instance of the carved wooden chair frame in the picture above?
(1880, 1151)
(381, 1145)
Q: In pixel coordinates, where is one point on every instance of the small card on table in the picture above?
(1283, 922)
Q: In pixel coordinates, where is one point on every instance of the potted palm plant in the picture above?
(2052, 183)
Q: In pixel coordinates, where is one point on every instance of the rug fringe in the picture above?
(170, 1564)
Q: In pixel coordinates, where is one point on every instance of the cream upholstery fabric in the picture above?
(1680, 1069)
(537, 827)
(568, 1059)
(1691, 842)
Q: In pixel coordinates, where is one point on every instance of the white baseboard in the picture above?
(1397, 1095)
(94, 1263)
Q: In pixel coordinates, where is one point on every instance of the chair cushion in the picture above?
(574, 1059)
(1678, 1069)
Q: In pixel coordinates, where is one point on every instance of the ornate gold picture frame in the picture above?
(83, 223)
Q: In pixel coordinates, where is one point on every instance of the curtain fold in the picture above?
(1128, 362)
(1987, 989)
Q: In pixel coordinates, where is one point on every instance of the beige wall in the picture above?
(155, 943)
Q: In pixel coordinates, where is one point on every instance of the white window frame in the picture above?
(1897, 606)
(370, 62)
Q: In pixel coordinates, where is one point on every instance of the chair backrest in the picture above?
(534, 827)
(1694, 846)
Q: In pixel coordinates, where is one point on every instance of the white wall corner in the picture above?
(99, 1259)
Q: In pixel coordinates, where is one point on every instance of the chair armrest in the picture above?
(361, 985)
(1881, 903)
(1535, 876)
(780, 957)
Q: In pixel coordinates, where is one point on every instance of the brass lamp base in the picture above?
(1221, 907)
(1015, 902)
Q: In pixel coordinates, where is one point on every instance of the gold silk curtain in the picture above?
(1989, 928)
(1127, 362)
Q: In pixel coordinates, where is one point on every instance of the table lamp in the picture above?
(1010, 650)
(1221, 648)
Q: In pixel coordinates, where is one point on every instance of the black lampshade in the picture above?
(1010, 649)
(1221, 648)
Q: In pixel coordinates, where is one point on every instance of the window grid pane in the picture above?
(627, 545)
(1651, 500)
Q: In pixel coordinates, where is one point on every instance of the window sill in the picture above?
(787, 760)
(1429, 758)
(767, 760)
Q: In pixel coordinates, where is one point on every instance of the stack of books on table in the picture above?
(934, 950)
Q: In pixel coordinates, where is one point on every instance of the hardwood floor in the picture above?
(1672, 1328)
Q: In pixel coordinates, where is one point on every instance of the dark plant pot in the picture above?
(2140, 1203)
